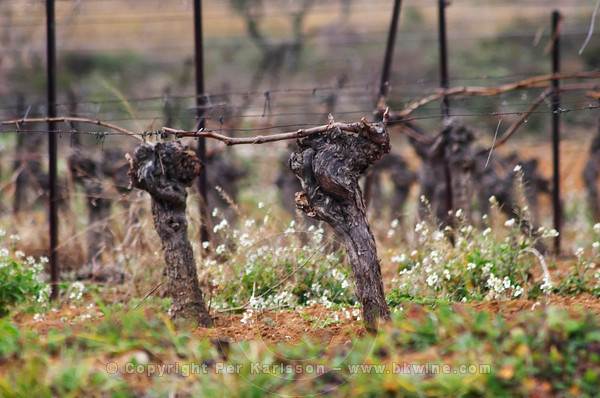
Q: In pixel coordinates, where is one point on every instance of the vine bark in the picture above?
(165, 171)
(328, 165)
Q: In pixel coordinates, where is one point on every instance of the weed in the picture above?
(20, 277)
(287, 268)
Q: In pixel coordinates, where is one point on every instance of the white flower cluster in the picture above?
(77, 289)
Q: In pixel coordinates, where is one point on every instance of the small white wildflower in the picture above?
(345, 284)
(44, 294)
(220, 225)
(394, 223)
(15, 237)
(493, 200)
(318, 235)
(205, 244)
(447, 274)
(432, 279)
(517, 168)
(552, 233)
(596, 245)
(471, 266)
(579, 252)
(390, 233)
(596, 228)
(420, 226)
(495, 284)
(77, 289)
(518, 291)
(220, 249)
(261, 205)
(459, 213)
(487, 267)
(215, 212)
(337, 274)
(19, 254)
(325, 301)
(464, 300)
(2, 233)
(509, 223)
(506, 282)
(486, 231)
(291, 228)
(245, 240)
(247, 318)
(249, 223)
(547, 285)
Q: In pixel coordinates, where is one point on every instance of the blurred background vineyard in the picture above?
(278, 65)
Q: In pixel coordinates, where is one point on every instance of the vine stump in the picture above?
(328, 166)
(165, 171)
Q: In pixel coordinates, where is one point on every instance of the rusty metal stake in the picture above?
(52, 158)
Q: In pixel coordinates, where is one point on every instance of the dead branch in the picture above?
(261, 139)
(356, 127)
(517, 123)
(538, 81)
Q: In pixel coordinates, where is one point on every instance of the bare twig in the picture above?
(493, 143)
(591, 30)
(148, 295)
(542, 262)
(555, 36)
(261, 139)
(517, 123)
(538, 81)
(412, 133)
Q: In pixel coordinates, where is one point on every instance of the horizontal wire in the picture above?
(562, 111)
(313, 91)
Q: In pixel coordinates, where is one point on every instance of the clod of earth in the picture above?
(329, 165)
(165, 171)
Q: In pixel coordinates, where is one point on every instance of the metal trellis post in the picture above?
(444, 81)
(52, 159)
(201, 149)
(557, 209)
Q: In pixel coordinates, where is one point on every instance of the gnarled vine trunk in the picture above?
(165, 171)
(329, 165)
(85, 171)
